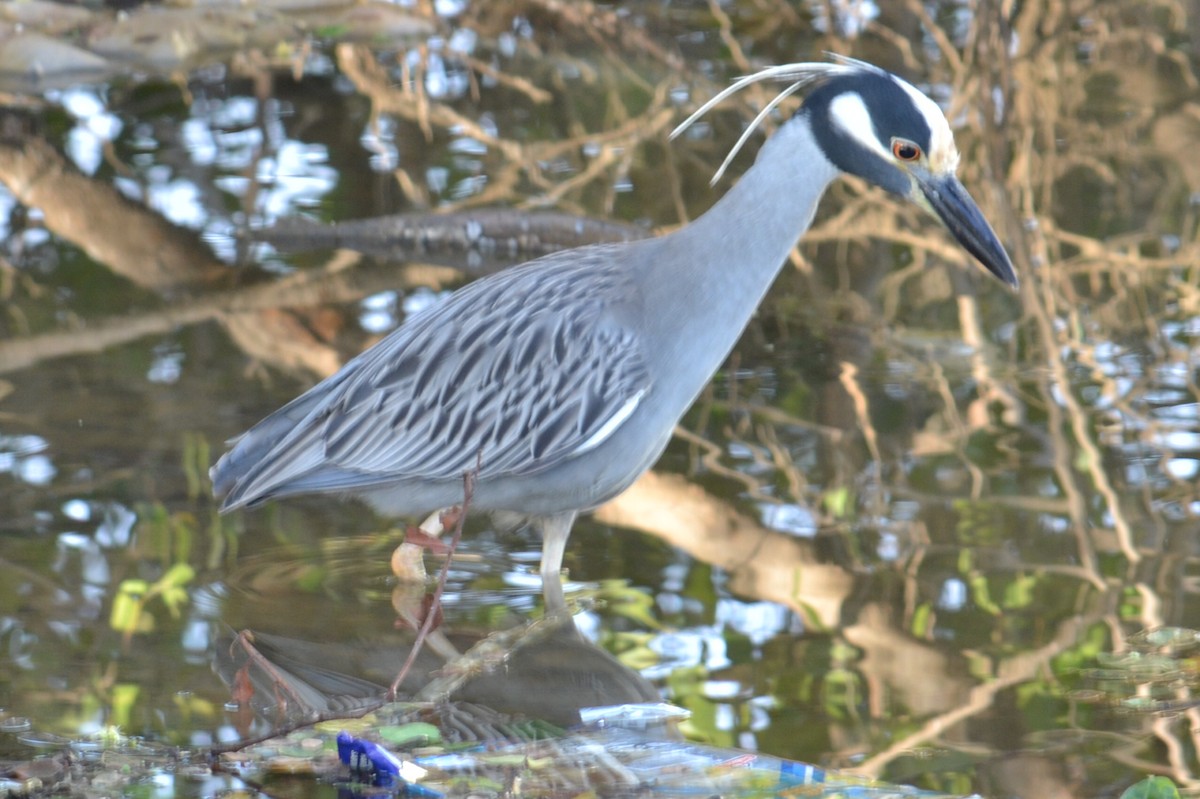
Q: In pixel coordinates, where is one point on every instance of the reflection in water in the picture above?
(543, 671)
(998, 490)
(23, 457)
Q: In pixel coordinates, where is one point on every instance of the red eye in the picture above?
(904, 150)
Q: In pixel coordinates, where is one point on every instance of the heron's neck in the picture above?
(711, 275)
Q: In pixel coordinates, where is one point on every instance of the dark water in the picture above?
(904, 529)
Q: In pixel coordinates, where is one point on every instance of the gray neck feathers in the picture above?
(702, 283)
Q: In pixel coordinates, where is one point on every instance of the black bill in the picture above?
(962, 217)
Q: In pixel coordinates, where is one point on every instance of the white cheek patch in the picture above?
(943, 155)
(850, 114)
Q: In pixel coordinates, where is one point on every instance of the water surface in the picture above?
(904, 529)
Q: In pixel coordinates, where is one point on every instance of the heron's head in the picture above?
(872, 124)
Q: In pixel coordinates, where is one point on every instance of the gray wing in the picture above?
(517, 372)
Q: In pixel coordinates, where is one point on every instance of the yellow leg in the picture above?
(555, 531)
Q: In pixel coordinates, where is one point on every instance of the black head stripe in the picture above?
(893, 114)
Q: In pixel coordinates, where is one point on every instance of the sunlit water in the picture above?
(907, 518)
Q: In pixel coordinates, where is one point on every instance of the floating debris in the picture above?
(624, 751)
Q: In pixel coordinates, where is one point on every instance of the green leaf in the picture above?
(922, 620)
(981, 594)
(331, 31)
(417, 733)
(178, 576)
(126, 610)
(134, 587)
(124, 695)
(1019, 593)
(632, 603)
(1152, 788)
(174, 599)
(638, 658)
(837, 502)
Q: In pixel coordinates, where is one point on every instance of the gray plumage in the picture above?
(520, 372)
(563, 378)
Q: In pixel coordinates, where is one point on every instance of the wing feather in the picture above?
(517, 372)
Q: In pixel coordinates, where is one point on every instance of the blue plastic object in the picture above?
(387, 768)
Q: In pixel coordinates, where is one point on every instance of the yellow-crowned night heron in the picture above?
(563, 377)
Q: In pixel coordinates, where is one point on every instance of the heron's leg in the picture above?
(555, 530)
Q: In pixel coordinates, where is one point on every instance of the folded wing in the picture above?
(517, 372)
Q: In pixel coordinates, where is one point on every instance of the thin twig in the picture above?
(281, 684)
